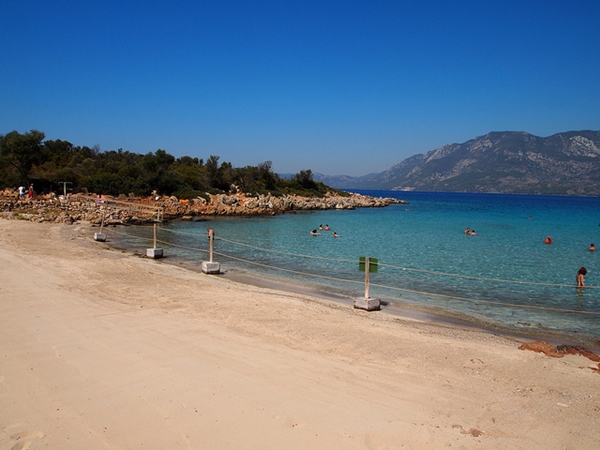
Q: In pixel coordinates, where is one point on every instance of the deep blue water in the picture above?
(504, 275)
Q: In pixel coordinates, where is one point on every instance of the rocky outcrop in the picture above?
(560, 350)
(132, 210)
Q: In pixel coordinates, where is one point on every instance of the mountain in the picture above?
(503, 162)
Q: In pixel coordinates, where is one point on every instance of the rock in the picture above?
(541, 347)
(577, 350)
(238, 204)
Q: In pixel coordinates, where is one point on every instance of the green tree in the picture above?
(305, 179)
(22, 151)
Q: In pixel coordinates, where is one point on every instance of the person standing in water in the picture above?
(581, 273)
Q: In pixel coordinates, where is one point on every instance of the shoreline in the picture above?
(405, 310)
(100, 348)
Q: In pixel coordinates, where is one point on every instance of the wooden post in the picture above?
(210, 266)
(367, 263)
(211, 237)
(154, 252)
(100, 237)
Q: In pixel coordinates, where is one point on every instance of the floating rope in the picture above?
(345, 280)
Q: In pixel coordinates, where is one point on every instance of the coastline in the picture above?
(406, 310)
(125, 210)
(122, 351)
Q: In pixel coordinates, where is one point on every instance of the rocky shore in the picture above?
(135, 210)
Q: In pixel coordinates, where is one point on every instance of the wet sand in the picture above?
(102, 349)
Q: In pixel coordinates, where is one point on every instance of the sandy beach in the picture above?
(101, 349)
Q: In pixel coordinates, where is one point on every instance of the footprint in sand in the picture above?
(25, 439)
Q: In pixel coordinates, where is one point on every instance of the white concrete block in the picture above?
(211, 267)
(369, 304)
(155, 253)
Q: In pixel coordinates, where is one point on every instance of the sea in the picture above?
(504, 278)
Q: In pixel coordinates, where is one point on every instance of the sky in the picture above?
(337, 87)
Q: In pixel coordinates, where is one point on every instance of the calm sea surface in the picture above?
(504, 276)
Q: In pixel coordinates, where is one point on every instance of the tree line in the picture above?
(29, 159)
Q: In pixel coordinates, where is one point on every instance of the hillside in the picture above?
(503, 162)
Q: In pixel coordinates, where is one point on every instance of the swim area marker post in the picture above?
(367, 265)
(100, 237)
(209, 266)
(154, 253)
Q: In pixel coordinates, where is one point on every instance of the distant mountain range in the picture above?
(503, 162)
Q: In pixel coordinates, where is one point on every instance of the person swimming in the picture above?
(326, 227)
(335, 234)
(592, 247)
(314, 232)
(468, 230)
(548, 240)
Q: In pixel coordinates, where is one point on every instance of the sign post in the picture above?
(368, 266)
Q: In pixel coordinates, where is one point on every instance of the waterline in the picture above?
(504, 277)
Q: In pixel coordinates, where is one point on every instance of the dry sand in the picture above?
(100, 349)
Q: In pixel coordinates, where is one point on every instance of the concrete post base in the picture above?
(155, 253)
(100, 237)
(211, 267)
(369, 304)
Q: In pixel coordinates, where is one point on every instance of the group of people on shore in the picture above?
(316, 232)
(30, 192)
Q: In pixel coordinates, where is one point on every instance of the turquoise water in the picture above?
(504, 276)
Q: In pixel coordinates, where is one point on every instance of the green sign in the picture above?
(373, 264)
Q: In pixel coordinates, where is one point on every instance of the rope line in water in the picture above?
(409, 269)
(286, 253)
(430, 272)
(287, 270)
(491, 302)
(261, 248)
(452, 297)
(473, 277)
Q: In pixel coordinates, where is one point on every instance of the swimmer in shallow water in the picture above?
(592, 247)
(326, 227)
(335, 234)
(548, 240)
(314, 233)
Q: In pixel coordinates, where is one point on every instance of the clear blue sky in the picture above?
(338, 87)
